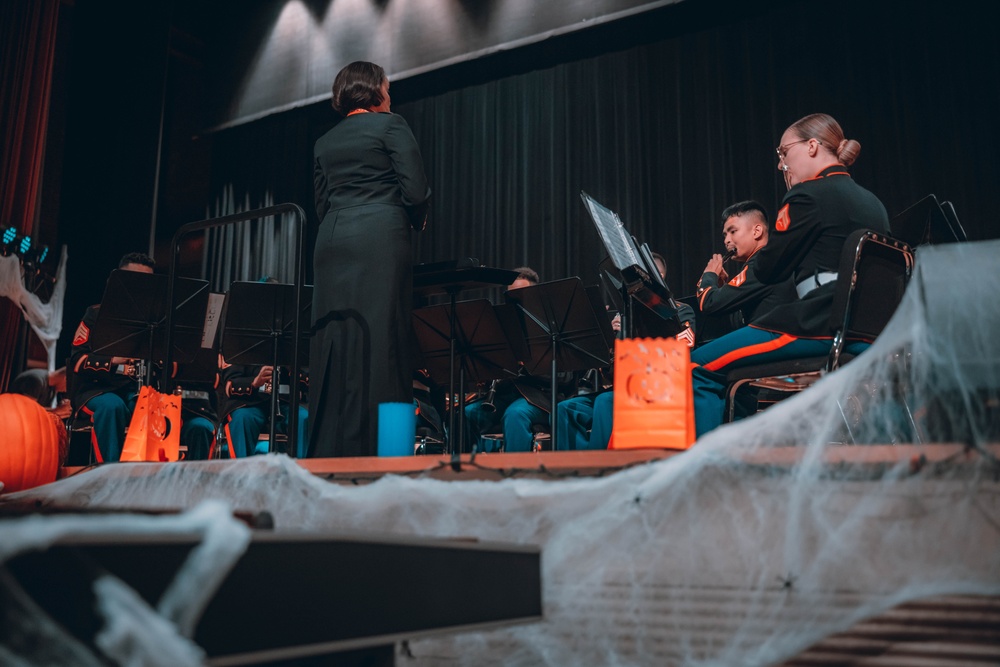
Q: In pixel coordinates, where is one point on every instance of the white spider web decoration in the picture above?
(763, 538)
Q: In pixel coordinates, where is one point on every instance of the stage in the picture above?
(555, 466)
(588, 540)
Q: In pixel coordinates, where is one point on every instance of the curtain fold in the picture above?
(27, 45)
(250, 250)
(668, 133)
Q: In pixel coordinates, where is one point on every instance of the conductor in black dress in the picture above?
(371, 194)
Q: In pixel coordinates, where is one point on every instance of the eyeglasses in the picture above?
(782, 151)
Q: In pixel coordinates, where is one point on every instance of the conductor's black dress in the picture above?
(371, 192)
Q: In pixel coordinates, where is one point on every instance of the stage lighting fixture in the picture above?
(8, 242)
(24, 246)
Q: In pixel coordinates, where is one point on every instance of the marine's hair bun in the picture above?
(848, 151)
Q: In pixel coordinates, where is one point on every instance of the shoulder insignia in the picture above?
(82, 335)
(784, 221)
(686, 336)
(740, 278)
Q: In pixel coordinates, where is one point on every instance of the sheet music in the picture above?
(619, 244)
(213, 312)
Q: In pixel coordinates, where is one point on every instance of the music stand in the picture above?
(132, 319)
(258, 330)
(957, 231)
(202, 370)
(451, 278)
(481, 346)
(927, 222)
(631, 268)
(565, 326)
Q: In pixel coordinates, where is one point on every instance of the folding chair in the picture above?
(873, 273)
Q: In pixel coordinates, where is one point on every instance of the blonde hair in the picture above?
(827, 132)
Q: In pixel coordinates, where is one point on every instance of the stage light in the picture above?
(13, 243)
(8, 242)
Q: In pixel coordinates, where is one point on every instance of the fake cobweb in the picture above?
(765, 537)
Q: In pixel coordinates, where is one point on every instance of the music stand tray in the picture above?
(565, 312)
(256, 315)
(452, 278)
(482, 349)
(466, 336)
(132, 319)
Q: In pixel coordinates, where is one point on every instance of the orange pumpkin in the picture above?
(29, 444)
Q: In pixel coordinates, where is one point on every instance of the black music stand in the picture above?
(451, 278)
(201, 371)
(482, 348)
(928, 221)
(631, 268)
(258, 330)
(132, 319)
(565, 327)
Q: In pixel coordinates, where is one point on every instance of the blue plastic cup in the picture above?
(397, 425)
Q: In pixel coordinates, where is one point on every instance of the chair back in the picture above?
(874, 271)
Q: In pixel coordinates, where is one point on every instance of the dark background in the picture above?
(665, 117)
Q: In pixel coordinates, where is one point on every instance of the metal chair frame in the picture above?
(850, 318)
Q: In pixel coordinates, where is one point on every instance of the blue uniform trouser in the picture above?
(580, 427)
(245, 425)
(600, 432)
(479, 420)
(746, 346)
(110, 414)
(574, 417)
(196, 434)
(516, 419)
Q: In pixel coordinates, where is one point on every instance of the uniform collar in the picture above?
(832, 170)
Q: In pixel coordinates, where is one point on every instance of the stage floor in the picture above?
(570, 465)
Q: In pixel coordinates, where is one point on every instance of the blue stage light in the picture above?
(25, 245)
(9, 235)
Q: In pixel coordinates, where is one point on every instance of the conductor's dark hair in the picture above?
(137, 258)
(358, 86)
(528, 274)
(742, 208)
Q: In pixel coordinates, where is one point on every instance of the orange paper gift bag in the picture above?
(154, 433)
(653, 404)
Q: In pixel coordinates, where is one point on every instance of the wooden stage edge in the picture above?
(569, 465)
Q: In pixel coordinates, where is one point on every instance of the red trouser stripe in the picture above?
(93, 435)
(229, 439)
(749, 351)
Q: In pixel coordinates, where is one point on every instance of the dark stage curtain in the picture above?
(670, 132)
(27, 50)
